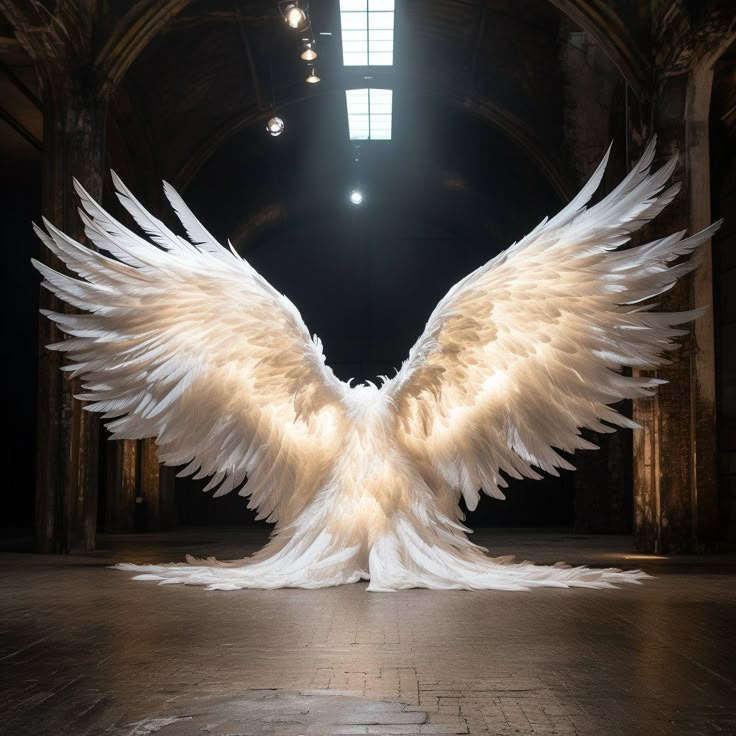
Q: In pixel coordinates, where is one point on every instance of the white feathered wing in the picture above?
(528, 349)
(186, 343)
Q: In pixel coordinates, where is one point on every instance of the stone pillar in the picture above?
(67, 469)
(704, 432)
(79, 71)
(156, 490)
(675, 489)
(139, 492)
(121, 488)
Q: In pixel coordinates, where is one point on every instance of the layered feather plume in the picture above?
(185, 342)
(182, 340)
(528, 349)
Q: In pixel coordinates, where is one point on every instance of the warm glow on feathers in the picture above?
(183, 341)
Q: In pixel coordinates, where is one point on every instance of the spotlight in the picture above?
(309, 54)
(356, 197)
(294, 16)
(312, 78)
(275, 126)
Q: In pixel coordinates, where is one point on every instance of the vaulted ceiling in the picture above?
(185, 77)
(195, 73)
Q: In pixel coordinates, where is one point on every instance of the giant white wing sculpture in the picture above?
(183, 341)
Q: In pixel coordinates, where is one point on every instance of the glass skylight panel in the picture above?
(367, 32)
(369, 114)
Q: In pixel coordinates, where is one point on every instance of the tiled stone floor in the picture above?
(84, 650)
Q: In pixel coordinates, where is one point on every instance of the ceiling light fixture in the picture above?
(312, 78)
(309, 54)
(294, 16)
(275, 126)
(356, 197)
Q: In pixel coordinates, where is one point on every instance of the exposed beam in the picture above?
(601, 22)
(214, 17)
(135, 30)
(20, 85)
(210, 144)
(729, 116)
(12, 51)
(20, 129)
(270, 215)
(477, 45)
(248, 49)
(510, 125)
(51, 39)
(520, 134)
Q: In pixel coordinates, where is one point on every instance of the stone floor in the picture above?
(84, 650)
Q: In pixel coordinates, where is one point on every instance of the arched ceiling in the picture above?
(219, 70)
(443, 166)
(468, 40)
(196, 72)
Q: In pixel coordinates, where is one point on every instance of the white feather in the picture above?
(185, 342)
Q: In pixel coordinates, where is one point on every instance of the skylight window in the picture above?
(369, 114)
(367, 32)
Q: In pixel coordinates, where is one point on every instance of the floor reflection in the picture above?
(85, 650)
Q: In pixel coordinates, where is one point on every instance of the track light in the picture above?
(275, 126)
(294, 16)
(309, 54)
(312, 78)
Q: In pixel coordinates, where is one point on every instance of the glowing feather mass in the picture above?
(184, 341)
